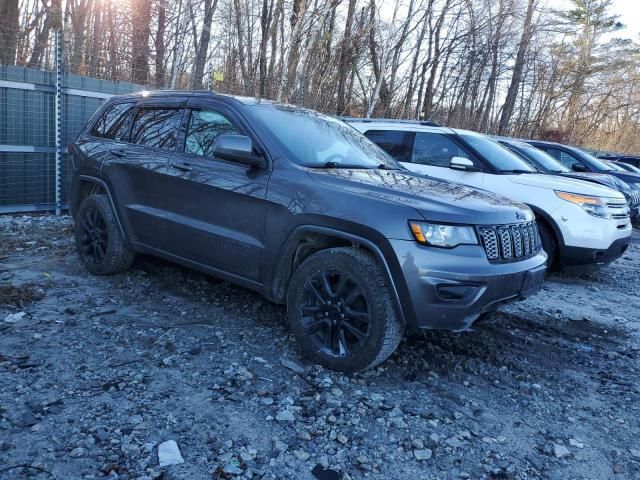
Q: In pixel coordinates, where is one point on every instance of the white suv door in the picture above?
(432, 155)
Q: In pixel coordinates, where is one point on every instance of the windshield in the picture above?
(319, 141)
(631, 168)
(614, 166)
(544, 160)
(502, 159)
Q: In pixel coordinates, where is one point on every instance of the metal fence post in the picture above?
(58, 121)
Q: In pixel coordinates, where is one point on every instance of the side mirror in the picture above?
(237, 148)
(461, 163)
(578, 167)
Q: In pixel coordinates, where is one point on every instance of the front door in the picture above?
(217, 208)
(431, 155)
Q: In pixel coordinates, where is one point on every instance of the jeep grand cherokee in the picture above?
(303, 209)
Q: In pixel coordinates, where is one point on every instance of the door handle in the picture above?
(119, 153)
(185, 167)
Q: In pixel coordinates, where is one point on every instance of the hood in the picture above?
(571, 185)
(602, 179)
(627, 177)
(436, 200)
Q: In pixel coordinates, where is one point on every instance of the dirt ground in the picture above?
(97, 372)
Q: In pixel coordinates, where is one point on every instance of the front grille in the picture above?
(507, 243)
(618, 210)
(634, 199)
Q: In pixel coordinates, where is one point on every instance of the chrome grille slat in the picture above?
(517, 240)
(505, 243)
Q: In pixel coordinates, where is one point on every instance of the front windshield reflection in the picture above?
(316, 140)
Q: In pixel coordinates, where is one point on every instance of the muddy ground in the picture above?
(97, 372)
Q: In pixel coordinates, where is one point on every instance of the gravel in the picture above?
(97, 373)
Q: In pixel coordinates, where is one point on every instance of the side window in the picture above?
(204, 127)
(394, 142)
(156, 127)
(114, 123)
(563, 157)
(435, 149)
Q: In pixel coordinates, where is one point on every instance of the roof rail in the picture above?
(426, 123)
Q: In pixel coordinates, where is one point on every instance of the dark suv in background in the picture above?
(303, 209)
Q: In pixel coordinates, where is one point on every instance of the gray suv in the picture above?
(303, 209)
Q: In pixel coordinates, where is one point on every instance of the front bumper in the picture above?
(450, 288)
(584, 260)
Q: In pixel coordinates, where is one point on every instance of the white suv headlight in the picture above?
(596, 206)
(447, 236)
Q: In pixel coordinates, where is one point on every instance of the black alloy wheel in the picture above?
(99, 241)
(94, 235)
(334, 312)
(341, 310)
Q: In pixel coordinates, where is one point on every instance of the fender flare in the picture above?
(107, 190)
(282, 271)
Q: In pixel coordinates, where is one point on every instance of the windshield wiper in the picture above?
(515, 170)
(384, 166)
(338, 165)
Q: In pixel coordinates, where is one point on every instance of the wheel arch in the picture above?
(305, 240)
(550, 222)
(86, 185)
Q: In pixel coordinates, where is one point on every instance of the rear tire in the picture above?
(341, 311)
(101, 246)
(549, 243)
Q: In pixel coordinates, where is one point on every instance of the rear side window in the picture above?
(156, 127)
(204, 127)
(394, 142)
(114, 123)
(435, 149)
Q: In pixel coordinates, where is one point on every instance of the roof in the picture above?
(426, 123)
(194, 93)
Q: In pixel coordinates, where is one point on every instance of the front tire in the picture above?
(100, 244)
(549, 243)
(340, 310)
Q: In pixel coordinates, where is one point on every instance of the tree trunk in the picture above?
(516, 78)
(9, 27)
(140, 22)
(203, 44)
(160, 47)
(95, 61)
(346, 53)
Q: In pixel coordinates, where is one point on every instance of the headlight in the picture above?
(447, 236)
(595, 206)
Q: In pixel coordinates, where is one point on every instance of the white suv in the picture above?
(583, 225)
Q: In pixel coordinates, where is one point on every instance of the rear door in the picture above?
(217, 208)
(137, 170)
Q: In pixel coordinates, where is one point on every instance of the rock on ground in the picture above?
(101, 370)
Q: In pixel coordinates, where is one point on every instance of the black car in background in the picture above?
(627, 159)
(549, 165)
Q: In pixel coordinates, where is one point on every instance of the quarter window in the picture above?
(114, 123)
(435, 149)
(156, 127)
(204, 127)
(395, 142)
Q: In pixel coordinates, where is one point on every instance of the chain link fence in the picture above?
(34, 165)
